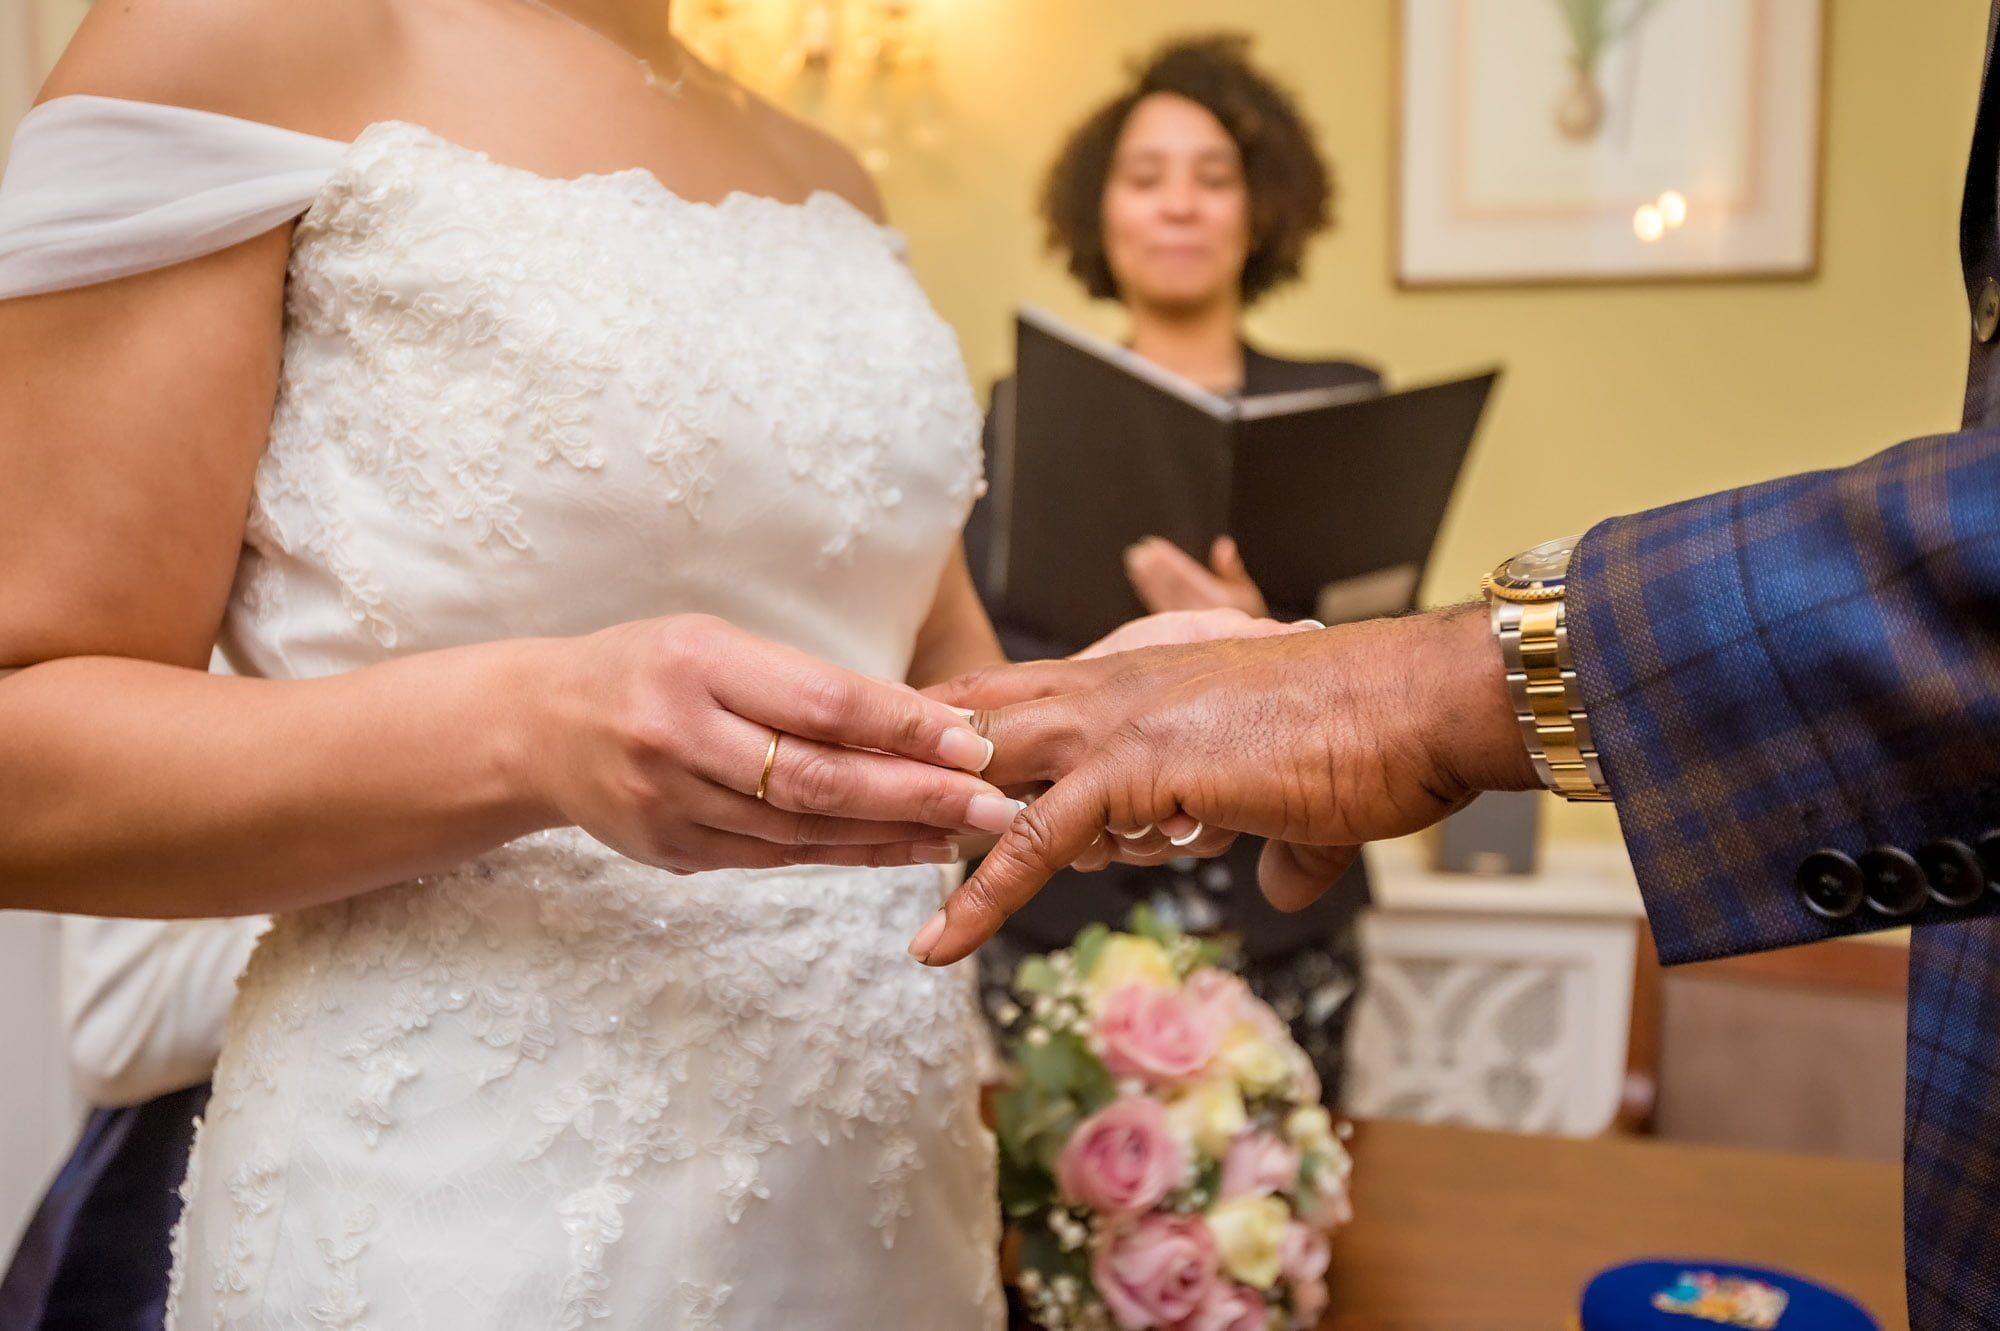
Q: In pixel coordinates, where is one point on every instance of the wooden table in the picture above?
(1459, 1230)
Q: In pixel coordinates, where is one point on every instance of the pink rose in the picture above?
(1154, 1271)
(1259, 1164)
(1212, 984)
(1122, 1158)
(1231, 999)
(1229, 1307)
(1305, 1253)
(1308, 1304)
(1302, 1261)
(1329, 1209)
(1157, 1034)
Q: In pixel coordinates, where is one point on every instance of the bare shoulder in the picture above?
(277, 61)
(824, 162)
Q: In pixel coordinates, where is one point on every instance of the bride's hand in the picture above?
(655, 737)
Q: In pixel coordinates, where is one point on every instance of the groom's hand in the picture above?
(1320, 741)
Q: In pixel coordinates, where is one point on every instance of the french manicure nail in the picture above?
(927, 937)
(965, 712)
(934, 852)
(966, 748)
(992, 813)
(1307, 624)
(1139, 835)
(1188, 839)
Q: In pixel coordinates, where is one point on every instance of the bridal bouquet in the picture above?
(1164, 1158)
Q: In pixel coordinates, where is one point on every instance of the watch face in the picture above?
(1542, 568)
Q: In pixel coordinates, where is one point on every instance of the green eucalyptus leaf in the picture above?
(1146, 923)
(1035, 976)
(1089, 946)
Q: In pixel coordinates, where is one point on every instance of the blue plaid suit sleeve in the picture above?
(1811, 662)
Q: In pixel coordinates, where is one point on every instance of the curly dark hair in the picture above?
(1289, 184)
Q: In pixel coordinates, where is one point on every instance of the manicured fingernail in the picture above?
(1307, 624)
(992, 813)
(934, 852)
(1139, 835)
(1188, 839)
(965, 712)
(966, 748)
(927, 937)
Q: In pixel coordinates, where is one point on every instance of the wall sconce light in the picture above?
(864, 68)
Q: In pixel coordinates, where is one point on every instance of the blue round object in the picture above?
(1693, 1294)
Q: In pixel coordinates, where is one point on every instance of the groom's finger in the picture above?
(1044, 739)
(1294, 876)
(1004, 685)
(1049, 835)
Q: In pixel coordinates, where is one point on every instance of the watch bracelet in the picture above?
(1541, 681)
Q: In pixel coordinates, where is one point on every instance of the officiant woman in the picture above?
(1185, 198)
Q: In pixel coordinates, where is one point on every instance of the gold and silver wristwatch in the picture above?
(1526, 595)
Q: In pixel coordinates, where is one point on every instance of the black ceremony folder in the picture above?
(1334, 495)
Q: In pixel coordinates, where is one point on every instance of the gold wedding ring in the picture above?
(770, 761)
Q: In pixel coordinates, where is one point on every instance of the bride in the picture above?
(553, 434)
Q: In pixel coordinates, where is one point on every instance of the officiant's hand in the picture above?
(656, 736)
(1167, 578)
(1321, 741)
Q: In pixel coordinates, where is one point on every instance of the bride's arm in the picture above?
(957, 637)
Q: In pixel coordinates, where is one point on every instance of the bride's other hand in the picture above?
(1167, 578)
(656, 736)
(1172, 627)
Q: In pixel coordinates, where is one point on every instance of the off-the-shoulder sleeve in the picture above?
(103, 187)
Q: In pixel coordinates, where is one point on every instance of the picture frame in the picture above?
(1589, 141)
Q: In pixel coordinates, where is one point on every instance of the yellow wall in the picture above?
(1617, 398)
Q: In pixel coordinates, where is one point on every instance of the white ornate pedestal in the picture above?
(1496, 1002)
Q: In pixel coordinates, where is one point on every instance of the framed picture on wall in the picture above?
(1607, 140)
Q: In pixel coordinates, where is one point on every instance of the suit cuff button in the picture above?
(1956, 876)
(1895, 882)
(1830, 882)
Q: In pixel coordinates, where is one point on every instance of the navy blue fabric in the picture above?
(94, 1257)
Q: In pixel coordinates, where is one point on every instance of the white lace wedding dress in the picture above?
(555, 1088)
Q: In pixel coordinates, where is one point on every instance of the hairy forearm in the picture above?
(134, 788)
(1463, 683)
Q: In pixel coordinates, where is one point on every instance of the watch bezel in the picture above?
(1532, 590)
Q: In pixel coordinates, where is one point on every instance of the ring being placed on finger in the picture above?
(770, 761)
